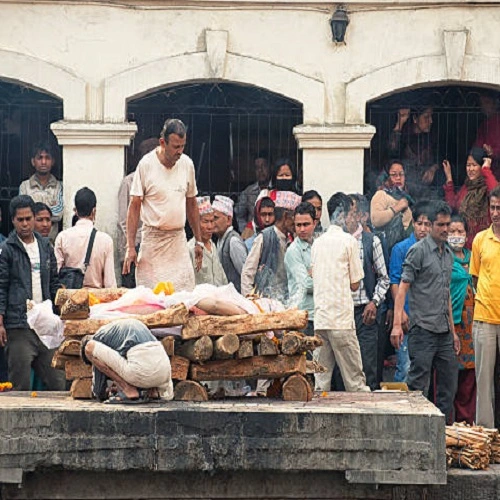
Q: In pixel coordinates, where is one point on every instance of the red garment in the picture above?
(489, 133)
(455, 200)
(465, 399)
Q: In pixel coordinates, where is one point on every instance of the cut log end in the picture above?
(81, 388)
(226, 346)
(188, 390)
(297, 388)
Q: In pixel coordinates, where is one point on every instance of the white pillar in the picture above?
(333, 158)
(93, 156)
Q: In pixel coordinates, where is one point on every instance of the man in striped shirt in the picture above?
(370, 294)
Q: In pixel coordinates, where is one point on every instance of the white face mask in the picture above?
(456, 242)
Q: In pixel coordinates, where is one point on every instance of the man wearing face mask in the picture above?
(71, 245)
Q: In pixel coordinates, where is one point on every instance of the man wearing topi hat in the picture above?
(163, 193)
(231, 248)
(264, 268)
(211, 270)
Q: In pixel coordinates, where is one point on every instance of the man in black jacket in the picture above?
(28, 270)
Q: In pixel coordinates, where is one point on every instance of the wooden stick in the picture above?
(179, 367)
(268, 347)
(188, 390)
(241, 324)
(294, 343)
(255, 367)
(173, 316)
(81, 388)
(76, 368)
(226, 346)
(198, 350)
(77, 306)
(168, 344)
(70, 347)
(103, 294)
(297, 388)
(245, 350)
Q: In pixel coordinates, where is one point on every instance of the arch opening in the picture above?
(461, 117)
(229, 124)
(25, 117)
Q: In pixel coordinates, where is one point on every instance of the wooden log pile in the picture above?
(471, 446)
(210, 347)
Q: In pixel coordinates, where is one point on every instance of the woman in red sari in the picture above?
(471, 200)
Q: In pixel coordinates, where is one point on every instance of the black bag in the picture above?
(72, 277)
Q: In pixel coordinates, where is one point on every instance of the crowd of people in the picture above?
(414, 267)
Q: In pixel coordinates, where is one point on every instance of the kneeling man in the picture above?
(126, 352)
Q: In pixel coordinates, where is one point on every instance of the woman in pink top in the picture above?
(471, 200)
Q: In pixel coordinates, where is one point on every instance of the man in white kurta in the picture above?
(337, 271)
(163, 193)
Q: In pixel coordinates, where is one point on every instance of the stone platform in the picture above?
(370, 438)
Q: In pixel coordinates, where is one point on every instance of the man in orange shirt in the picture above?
(485, 269)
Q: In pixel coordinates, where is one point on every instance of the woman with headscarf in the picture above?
(263, 217)
(471, 200)
(462, 303)
(390, 207)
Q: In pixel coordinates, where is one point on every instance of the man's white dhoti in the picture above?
(164, 256)
(146, 366)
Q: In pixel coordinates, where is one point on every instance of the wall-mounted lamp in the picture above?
(338, 24)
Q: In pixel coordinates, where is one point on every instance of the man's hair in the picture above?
(267, 202)
(461, 219)
(338, 204)
(85, 201)
(362, 203)
(263, 154)
(21, 201)
(438, 208)
(309, 195)
(495, 192)
(40, 207)
(305, 208)
(41, 147)
(422, 207)
(173, 126)
(280, 213)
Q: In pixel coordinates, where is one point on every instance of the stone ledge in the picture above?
(384, 438)
(93, 134)
(334, 136)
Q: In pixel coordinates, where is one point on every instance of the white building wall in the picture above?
(96, 56)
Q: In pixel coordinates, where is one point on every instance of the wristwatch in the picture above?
(376, 302)
(200, 244)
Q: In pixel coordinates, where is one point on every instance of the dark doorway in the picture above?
(228, 125)
(457, 116)
(25, 118)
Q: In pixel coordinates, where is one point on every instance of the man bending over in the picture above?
(126, 352)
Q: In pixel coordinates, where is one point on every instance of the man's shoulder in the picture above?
(251, 188)
(104, 237)
(185, 161)
(481, 236)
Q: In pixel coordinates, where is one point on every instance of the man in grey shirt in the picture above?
(432, 342)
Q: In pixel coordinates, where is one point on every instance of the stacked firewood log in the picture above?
(209, 348)
(473, 447)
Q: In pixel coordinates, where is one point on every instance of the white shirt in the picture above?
(163, 191)
(36, 278)
(335, 265)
